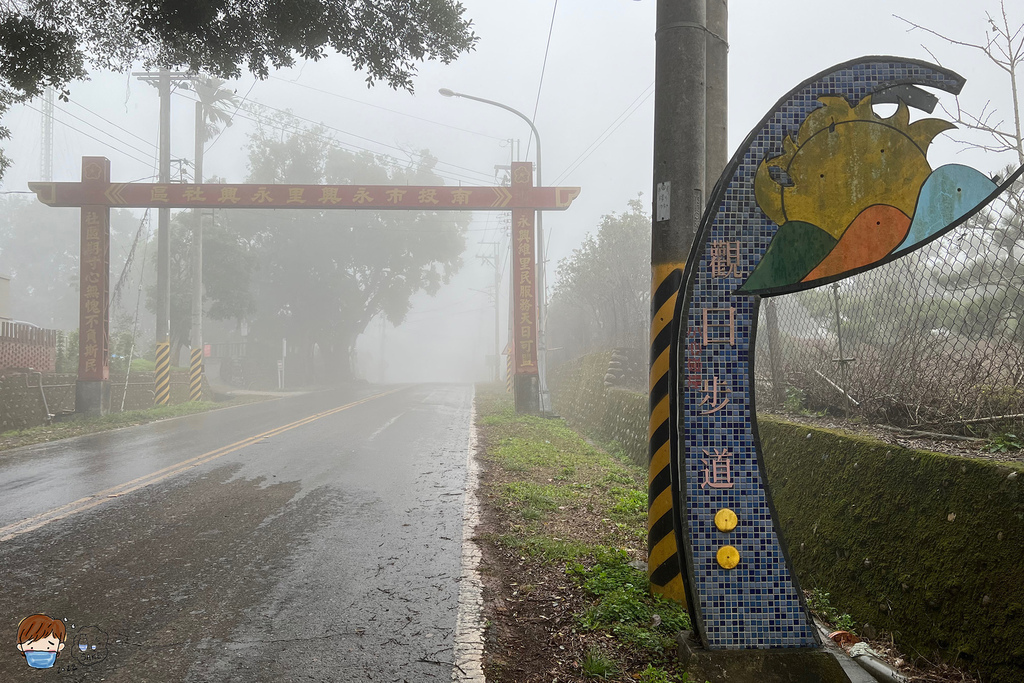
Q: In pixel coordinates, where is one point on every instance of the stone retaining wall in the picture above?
(22, 405)
(926, 546)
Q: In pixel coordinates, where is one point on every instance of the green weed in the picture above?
(1003, 443)
(820, 604)
(655, 674)
(629, 502)
(597, 664)
(625, 606)
(545, 548)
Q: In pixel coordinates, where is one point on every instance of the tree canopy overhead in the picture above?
(52, 42)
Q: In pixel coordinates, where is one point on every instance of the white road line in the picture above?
(385, 426)
(469, 627)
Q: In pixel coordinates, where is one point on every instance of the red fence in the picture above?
(27, 346)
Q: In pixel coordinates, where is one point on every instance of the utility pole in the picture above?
(690, 41)
(163, 80)
(717, 88)
(46, 148)
(163, 249)
(493, 259)
(196, 358)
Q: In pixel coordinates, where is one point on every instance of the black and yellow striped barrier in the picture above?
(508, 374)
(162, 395)
(662, 560)
(195, 376)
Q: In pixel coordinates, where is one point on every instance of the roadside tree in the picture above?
(324, 275)
(54, 42)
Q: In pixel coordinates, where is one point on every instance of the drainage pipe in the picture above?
(874, 665)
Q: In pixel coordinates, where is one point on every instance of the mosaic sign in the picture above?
(823, 188)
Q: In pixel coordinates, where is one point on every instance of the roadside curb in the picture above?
(469, 627)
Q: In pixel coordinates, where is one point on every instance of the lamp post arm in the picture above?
(518, 113)
(545, 396)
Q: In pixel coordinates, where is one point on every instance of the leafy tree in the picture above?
(53, 42)
(39, 251)
(324, 275)
(602, 294)
(228, 264)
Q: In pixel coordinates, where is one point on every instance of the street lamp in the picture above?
(545, 397)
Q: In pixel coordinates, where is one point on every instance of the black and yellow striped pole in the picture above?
(163, 373)
(689, 88)
(195, 376)
(662, 561)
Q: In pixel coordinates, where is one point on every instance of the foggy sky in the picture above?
(600, 68)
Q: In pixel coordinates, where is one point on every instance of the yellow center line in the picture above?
(32, 523)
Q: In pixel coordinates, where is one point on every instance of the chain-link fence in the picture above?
(932, 340)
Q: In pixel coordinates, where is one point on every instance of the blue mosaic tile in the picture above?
(757, 604)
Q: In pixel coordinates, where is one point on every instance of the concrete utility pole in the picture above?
(196, 360)
(162, 80)
(690, 146)
(163, 249)
(46, 148)
(717, 89)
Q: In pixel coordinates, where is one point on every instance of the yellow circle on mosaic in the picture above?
(725, 520)
(728, 557)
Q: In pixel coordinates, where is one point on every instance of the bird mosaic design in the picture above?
(853, 189)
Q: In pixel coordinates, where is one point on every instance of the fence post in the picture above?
(774, 352)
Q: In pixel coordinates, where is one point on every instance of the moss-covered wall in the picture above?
(928, 547)
(610, 415)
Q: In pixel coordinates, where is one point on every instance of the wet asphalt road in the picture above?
(196, 549)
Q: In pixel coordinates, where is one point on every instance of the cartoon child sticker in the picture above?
(41, 639)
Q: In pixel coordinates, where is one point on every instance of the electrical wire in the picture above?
(393, 111)
(296, 130)
(543, 67)
(147, 162)
(240, 103)
(362, 137)
(109, 135)
(607, 132)
(125, 130)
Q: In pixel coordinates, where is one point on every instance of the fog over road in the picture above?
(310, 538)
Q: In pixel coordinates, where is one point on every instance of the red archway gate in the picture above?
(96, 194)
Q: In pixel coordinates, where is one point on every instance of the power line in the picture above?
(81, 120)
(543, 67)
(66, 125)
(612, 127)
(125, 130)
(240, 103)
(362, 137)
(296, 130)
(393, 111)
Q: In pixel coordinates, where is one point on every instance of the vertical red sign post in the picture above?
(92, 389)
(95, 194)
(524, 294)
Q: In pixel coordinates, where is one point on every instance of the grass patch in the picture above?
(629, 502)
(625, 606)
(90, 425)
(561, 501)
(597, 664)
(544, 548)
(533, 501)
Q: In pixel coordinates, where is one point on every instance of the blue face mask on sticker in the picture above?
(40, 660)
